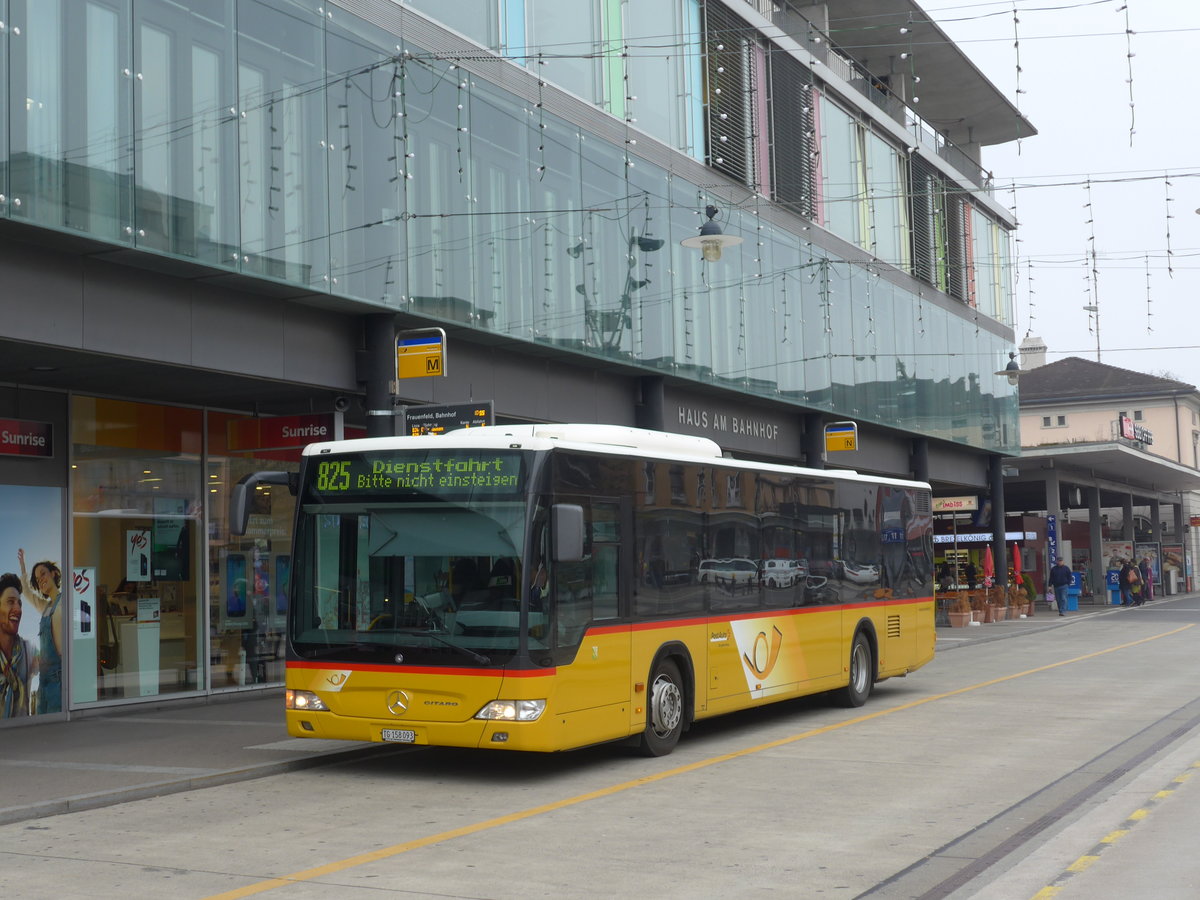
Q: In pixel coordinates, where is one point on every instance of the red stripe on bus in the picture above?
(424, 670)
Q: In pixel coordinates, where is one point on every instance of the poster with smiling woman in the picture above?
(32, 627)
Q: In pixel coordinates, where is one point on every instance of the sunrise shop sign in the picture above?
(20, 437)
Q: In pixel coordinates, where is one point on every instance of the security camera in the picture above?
(341, 404)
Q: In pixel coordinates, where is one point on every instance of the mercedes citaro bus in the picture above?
(540, 587)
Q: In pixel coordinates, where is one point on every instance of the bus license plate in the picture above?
(399, 735)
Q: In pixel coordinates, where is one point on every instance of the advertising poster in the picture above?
(1115, 551)
(33, 627)
(83, 662)
(137, 554)
(1172, 564)
(1152, 553)
(169, 549)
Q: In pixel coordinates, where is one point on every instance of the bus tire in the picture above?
(664, 712)
(862, 674)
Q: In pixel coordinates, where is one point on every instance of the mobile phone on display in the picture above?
(283, 577)
(235, 585)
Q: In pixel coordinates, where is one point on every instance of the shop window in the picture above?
(136, 517)
(249, 575)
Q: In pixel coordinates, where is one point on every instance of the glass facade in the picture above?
(317, 149)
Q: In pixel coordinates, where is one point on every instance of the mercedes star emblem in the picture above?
(397, 703)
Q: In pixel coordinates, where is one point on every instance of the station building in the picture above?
(219, 217)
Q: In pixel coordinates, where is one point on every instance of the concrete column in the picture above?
(1095, 536)
(380, 333)
(1155, 521)
(999, 550)
(650, 409)
(1127, 517)
(814, 440)
(920, 459)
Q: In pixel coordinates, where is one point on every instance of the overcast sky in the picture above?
(1075, 84)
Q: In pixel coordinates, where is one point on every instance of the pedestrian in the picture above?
(1147, 572)
(1130, 581)
(1060, 580)
(945, 578)
(971, 575)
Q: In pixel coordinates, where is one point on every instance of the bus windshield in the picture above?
(427, 582)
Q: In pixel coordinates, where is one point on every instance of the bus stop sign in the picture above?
(420, 353)
(841, 436)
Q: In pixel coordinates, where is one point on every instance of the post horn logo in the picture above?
(765, 654)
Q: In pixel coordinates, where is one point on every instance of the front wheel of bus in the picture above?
(664, 718)
(861, 674)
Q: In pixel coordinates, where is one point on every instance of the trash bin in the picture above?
(1073, 591)
(1112, 583)
(1172, 576)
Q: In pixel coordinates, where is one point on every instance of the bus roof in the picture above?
(620, 440)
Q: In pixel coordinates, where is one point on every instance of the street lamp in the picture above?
(711, 240)
(1013, 370)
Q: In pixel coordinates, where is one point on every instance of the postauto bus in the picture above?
(537, 587)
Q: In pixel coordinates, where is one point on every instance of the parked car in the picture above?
(860, 574)
(783, 572)
(727, 571)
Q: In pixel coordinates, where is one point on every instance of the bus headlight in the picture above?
(305, 700)
(512, 710)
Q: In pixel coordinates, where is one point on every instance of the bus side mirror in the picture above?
(239, 497)
(566, 523)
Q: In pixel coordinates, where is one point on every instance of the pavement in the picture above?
(102, 758)
(105, 757)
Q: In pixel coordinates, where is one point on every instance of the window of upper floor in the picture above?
(1054, 421)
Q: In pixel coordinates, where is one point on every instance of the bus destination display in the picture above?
(443, 473)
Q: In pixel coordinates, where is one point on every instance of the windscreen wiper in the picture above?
(465, 651)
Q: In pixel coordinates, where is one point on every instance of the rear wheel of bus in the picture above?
(862, 674)
(664, 710)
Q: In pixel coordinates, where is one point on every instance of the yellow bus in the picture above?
(549, 587)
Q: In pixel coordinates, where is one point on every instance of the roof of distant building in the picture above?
(1074, 378)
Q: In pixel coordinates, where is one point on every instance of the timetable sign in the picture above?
(420, 420)
(421, 353)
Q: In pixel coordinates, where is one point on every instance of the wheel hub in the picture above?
(666, 706)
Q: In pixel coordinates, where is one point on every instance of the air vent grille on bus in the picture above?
(923, 504)
(893, 626)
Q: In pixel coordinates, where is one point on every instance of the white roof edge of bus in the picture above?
(622, 439)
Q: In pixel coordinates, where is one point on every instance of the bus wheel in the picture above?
(861, 674)
(664, 718)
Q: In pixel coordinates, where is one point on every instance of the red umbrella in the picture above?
(1017, 565)
(989, 564)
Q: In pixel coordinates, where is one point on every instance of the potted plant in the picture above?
(997, 607)
(960, 612)
(978, 608)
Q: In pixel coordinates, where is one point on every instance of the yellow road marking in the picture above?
(1109, 839)
(429, 840)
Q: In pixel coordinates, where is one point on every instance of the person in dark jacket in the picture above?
(1060, 580)
(1128, 578)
